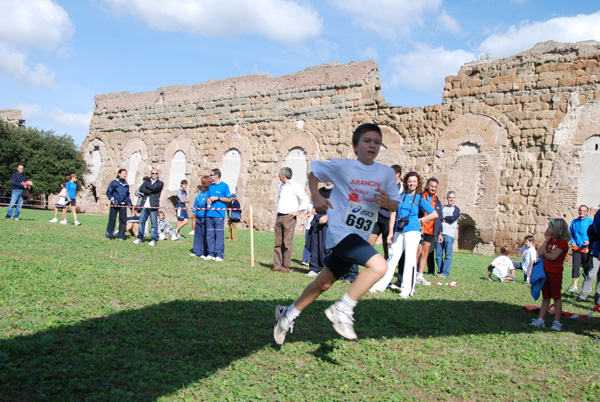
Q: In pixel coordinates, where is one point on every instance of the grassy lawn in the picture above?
(82, 318)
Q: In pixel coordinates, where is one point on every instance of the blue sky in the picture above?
(56, 55)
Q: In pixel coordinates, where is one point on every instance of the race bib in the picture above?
(360, 217)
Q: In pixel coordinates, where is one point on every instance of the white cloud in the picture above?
(389, 18)
(565, 29)
(425, 69)
(448, 23)
(279, 20)
(12, 63)
(369, 53)
(57, 116)
(327, 50)
(40, 23)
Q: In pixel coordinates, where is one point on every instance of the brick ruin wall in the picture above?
(517, 137)
(13, 116)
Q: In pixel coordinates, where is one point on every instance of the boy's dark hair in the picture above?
(363, 128)
(199, 187)
(529, 238)
(397, 169)
(217, 172)
(503, 251)
(184, 181)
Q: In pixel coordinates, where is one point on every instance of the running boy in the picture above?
(182, 200)
(361, 187)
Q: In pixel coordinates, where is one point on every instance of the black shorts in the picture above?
(429, 238)
(382, 226)
(353, 249)
(72, 203)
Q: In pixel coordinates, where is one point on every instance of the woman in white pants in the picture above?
(406, 235)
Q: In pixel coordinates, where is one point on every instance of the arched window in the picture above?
(466, 174)
(589, 192)
(134, 164)
(230, 172)
(95, 165)
(177, 171)
(296, 160)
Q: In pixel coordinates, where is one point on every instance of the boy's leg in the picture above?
(544, 308)
(374, 270)
(64, 213)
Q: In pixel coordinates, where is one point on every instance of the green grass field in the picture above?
(82, 318)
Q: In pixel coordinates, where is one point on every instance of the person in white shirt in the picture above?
(291, 202)
(527, 247)
(500, 267)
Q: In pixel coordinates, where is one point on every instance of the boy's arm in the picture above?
(320, 203)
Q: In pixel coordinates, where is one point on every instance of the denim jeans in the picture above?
(144, 219)
(444, 263)
(16, 197)
(200, 247)
(215, 237)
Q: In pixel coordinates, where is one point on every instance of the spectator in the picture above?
(235, 215)
(526, 247)
(151, 190)
(19, 183)
(165, 229)
(580, 244)
(382, 226)
(181, 204)
(404, 239)
(292, 200)
(71, 187)
(318, 235)
(594, 272)
(501, 266)
(133, 222)
(554, 249)
(118, 195)
(200, 204)
(445, 243)
(431, 230)
(191, 232)
(62, 199)
(219, 196)
(309, 217)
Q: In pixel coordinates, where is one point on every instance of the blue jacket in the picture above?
(200, 202)
(537, 278)
(118, 192)
(596, 245)
(579, 229)
(17, 181)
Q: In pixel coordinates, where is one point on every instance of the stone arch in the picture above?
(296, 160)
(135, 160)
(231, 168)
(299, 139)
(237, 139)
(471, 149)
(183, 147)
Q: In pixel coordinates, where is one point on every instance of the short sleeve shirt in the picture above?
(556, 265)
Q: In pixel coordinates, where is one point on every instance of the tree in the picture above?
(47, 158)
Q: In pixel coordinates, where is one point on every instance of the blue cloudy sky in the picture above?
(56, 55)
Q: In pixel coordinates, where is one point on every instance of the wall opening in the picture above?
(232, 166)
(96, 163)
(296, 160)
(134, 164)
(468, 237)
(589, 191)
(177, 172)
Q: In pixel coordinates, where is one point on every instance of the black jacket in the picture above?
(153, 191)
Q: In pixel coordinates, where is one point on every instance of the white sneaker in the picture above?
(152, 243)
(53, 220)
(539, 322)
(403, 296)
(422, 281)
(312, 274)
(217, 259)
(573, 289)
(393, 286)
(282, 325)
(342, 323)
(174, 238)
(63, 222)
(557, 326)
(193, 255)
(191, 232)
(77, 223)
(204, 257)
(16, 219)
(138, 241)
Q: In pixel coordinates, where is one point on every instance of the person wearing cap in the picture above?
(235, 215)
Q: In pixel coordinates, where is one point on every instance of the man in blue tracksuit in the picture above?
(16, 196)
(218, 197)
(118, 194)
(594, 273)
(580, 244)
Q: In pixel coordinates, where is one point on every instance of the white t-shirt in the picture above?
(353, 196)
(502, 265)
(529, 257)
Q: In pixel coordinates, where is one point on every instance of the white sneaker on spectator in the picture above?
(573, 289)
(53, 220)
(422, 281)
(152, 243)
(343, 323)
(16, 219)
(393, 286)
(174, 237)
(63, 222)
(312, 274)
(191, 232)
(203, 257)
(217, 259)
(557, 326)
(138, 241)
(77, 223)
(538, 322)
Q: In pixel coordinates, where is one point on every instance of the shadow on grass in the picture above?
(143, 354)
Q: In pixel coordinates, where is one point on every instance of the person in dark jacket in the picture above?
(118, 195)
(19, 184)
(151, 190)
(431, 232)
